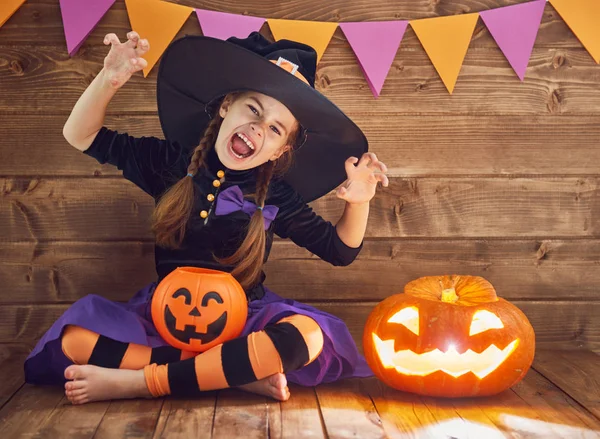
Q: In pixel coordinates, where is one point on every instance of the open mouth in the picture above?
(241, 147)
(189, 332)
(451, 362)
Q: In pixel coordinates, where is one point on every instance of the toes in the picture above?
(79, 400)
(72, 372)
(74, 393)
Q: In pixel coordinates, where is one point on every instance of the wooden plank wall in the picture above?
(499, 179)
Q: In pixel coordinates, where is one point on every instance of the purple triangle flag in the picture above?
(375, 44)
(223, 25)
(79, 19)
(514, 28)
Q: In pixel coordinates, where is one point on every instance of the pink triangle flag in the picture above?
(223, 25)
(375, 44)
(79, 19)
(514, 28)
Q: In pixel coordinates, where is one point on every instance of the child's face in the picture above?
(262, 120)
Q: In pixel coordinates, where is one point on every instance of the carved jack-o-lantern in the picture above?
(197, 308)
(448, 336)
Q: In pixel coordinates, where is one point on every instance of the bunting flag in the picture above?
(8, 8)
(158, 22)
(314, 33)
(514, 28)
(583, 17)
(446, 40)
(386, 36)
(80, 18)
(224, 25)
(375, 44)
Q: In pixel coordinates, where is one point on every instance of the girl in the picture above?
(234, 114)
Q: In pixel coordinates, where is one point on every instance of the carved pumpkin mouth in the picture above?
(451, 362)
(213, 329)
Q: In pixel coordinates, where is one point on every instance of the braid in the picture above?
(174, 208)
(249, 257)
(208, 140)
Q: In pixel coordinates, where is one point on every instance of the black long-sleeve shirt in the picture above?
(155, 164)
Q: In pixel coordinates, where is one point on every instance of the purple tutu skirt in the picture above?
(131, 322)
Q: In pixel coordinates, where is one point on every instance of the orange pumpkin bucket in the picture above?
(196, 308)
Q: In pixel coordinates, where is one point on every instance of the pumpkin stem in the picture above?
(448, 294)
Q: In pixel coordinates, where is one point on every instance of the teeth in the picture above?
(241, 136)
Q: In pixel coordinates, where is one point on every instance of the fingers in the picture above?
(140, 63)
(142, 47)
(133, 37)
(111, 39)
(370, 160)
(383, 179)
(349, 164)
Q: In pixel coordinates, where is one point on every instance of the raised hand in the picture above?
(362, 178)
(124, 59)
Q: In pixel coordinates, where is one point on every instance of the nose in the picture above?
(256, 130)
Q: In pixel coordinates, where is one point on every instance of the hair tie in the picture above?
(190, 174)
(259, 207)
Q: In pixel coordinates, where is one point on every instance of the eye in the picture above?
(408, 317)
(211, 295)
(484, 320)
(187, 296)
(275, 129)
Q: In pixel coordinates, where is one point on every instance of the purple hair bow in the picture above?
(232, 200)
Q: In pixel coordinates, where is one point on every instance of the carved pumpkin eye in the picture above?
(187, 296)
(484, 320)
(408, 317)
(212, 295)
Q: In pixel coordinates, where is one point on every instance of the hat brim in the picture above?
(196, 69)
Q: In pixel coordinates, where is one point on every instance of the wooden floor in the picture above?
(559, 398)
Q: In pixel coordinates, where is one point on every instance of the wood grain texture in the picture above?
(186, 417)
(534, 408)
(558, 415)
(557, 82)
(27, 412)
(11, 366)
(240, 414)
(410, 145)
(42, 209)
(299, 416)
(68, 420)
(403, 415)
(576, 373)
(65, 271)
(131, 418)
(348, 411)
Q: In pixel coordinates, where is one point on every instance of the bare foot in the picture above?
(93, 383)
(274, 386)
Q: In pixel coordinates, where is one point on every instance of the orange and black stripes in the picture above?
(285, 346)
(83, 346)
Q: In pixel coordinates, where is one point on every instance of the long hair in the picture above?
(174, 207)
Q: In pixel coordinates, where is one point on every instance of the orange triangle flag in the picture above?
(7, 8)
(583, 17)
(316, 34)
(158, 22)
(446, 40)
